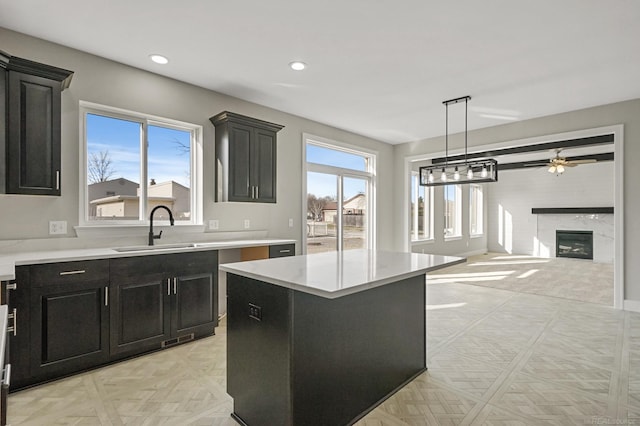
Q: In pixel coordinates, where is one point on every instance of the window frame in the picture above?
(457, 225)
(369, 175)
(195, 153)
(427, 224)
(479, 210)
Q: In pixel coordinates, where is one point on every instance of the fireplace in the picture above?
(576, 244)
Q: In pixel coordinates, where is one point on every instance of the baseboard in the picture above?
(472, 253)
(631, 305)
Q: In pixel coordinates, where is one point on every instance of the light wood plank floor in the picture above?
(496, 357)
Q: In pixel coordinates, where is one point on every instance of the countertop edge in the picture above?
(339, 293)
(9, 262)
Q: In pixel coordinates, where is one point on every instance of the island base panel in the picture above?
(335, 359)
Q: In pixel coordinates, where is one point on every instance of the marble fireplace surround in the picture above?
(583, 219)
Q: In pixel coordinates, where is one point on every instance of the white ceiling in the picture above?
(378, 68)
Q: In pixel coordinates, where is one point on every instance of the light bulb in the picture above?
(456, 175)
(431, 178)
(484, 172)
(443, 177)
(552, 169)
(469, 173)
(560, 168)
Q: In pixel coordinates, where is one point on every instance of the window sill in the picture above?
(476, 236)
(425, 241)
(453, 238)
(96, 231)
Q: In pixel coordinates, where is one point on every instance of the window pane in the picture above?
(169, 172)
(113, 167)
(333, 157)
(354, 213)
(476, 208)
(452, 210)
(322, 209)
(421, 203)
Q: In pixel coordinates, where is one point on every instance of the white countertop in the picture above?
(334, 274)
(10, 261)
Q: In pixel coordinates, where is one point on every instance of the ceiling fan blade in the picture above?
(585, 161)
(570, 164)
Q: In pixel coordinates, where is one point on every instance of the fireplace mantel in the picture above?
(572, 210)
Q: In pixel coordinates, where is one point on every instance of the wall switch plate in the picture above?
(57, 227)
(247, 223)
(214, 224)
(290, 222)
(255, 312)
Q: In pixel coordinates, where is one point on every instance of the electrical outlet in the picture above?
(290, 222)
(214, 224)
(57, 227)
(255, 312)
(247, 224)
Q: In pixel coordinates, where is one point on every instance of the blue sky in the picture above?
(323, 185)
(167, 160)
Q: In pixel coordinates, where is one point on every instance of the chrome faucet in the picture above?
(157, 237)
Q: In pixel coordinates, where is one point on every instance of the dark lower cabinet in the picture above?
(68, 317)
(16, 297)
(162, 300)
(70, 328)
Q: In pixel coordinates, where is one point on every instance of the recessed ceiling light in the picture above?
(297, 65)
(159, 59)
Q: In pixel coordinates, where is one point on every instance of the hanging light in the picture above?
(489, 166)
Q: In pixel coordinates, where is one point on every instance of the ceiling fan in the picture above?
(557, 163)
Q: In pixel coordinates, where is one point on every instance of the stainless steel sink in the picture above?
(154, 248)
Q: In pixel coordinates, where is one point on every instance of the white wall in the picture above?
(512, 226)
(110, 83)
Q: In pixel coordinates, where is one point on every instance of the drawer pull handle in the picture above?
(58, 179)
(175, 286)
(6, 379)
(285, 251)
(79, 271)
(106, 296)
(13, 315)
(168, 286)
(12, 286)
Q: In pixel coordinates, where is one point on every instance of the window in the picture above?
(131, 157)
(476, 209)
(421, 208)
(452, 211)
(339, 192)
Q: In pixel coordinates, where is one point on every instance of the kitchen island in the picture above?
(322, 339)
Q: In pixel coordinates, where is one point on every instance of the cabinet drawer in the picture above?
(282, 250)
(69, 272)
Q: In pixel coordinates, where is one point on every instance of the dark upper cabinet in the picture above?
(245, 158)
(30, 125)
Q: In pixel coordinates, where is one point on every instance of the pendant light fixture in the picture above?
(478, 170)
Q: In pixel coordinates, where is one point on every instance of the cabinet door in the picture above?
(33, 135)
(140, 314)
(264, 166)
(18, 344)
(196, 308)
(69, 327)
(240, 188)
